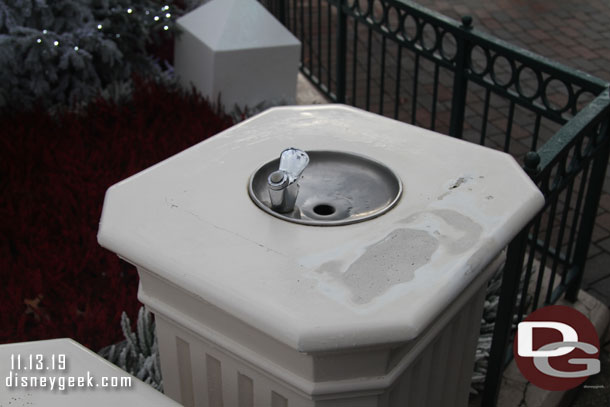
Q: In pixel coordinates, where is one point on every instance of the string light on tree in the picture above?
(115, 32)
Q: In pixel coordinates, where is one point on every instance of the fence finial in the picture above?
(467, 22)
(532, 159)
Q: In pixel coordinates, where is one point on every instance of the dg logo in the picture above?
(556, 348)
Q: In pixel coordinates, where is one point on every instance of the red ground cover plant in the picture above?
(55, 280)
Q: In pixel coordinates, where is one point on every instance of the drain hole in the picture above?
(324, 210)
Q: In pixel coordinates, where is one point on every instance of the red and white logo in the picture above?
(556, 348)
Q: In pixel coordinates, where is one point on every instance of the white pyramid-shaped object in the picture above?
(237, 50)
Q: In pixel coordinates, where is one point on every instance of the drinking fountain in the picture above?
(329, 188)
(319, 256)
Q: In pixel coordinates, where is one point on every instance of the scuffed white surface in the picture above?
(190, 220)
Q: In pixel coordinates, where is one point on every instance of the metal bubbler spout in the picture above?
(283, 185)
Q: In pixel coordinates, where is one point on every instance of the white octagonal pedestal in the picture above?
(252, 310)
(238, 50)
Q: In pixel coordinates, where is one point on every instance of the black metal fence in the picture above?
(402, 60)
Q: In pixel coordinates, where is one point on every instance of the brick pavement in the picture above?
(569, 31)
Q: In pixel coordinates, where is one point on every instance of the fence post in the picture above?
(282, 12)
(594, 191)
(504, 318)
(460, 81)
(341, 51)
(511, 278)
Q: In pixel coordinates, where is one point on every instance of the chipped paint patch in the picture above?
(395, 259)
(458, 182)
(391, 261)
(453, 185)
(468, 231)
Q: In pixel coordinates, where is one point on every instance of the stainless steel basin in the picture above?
(336, 188)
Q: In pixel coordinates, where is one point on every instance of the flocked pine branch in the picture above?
(64, 52)
(138, 353)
